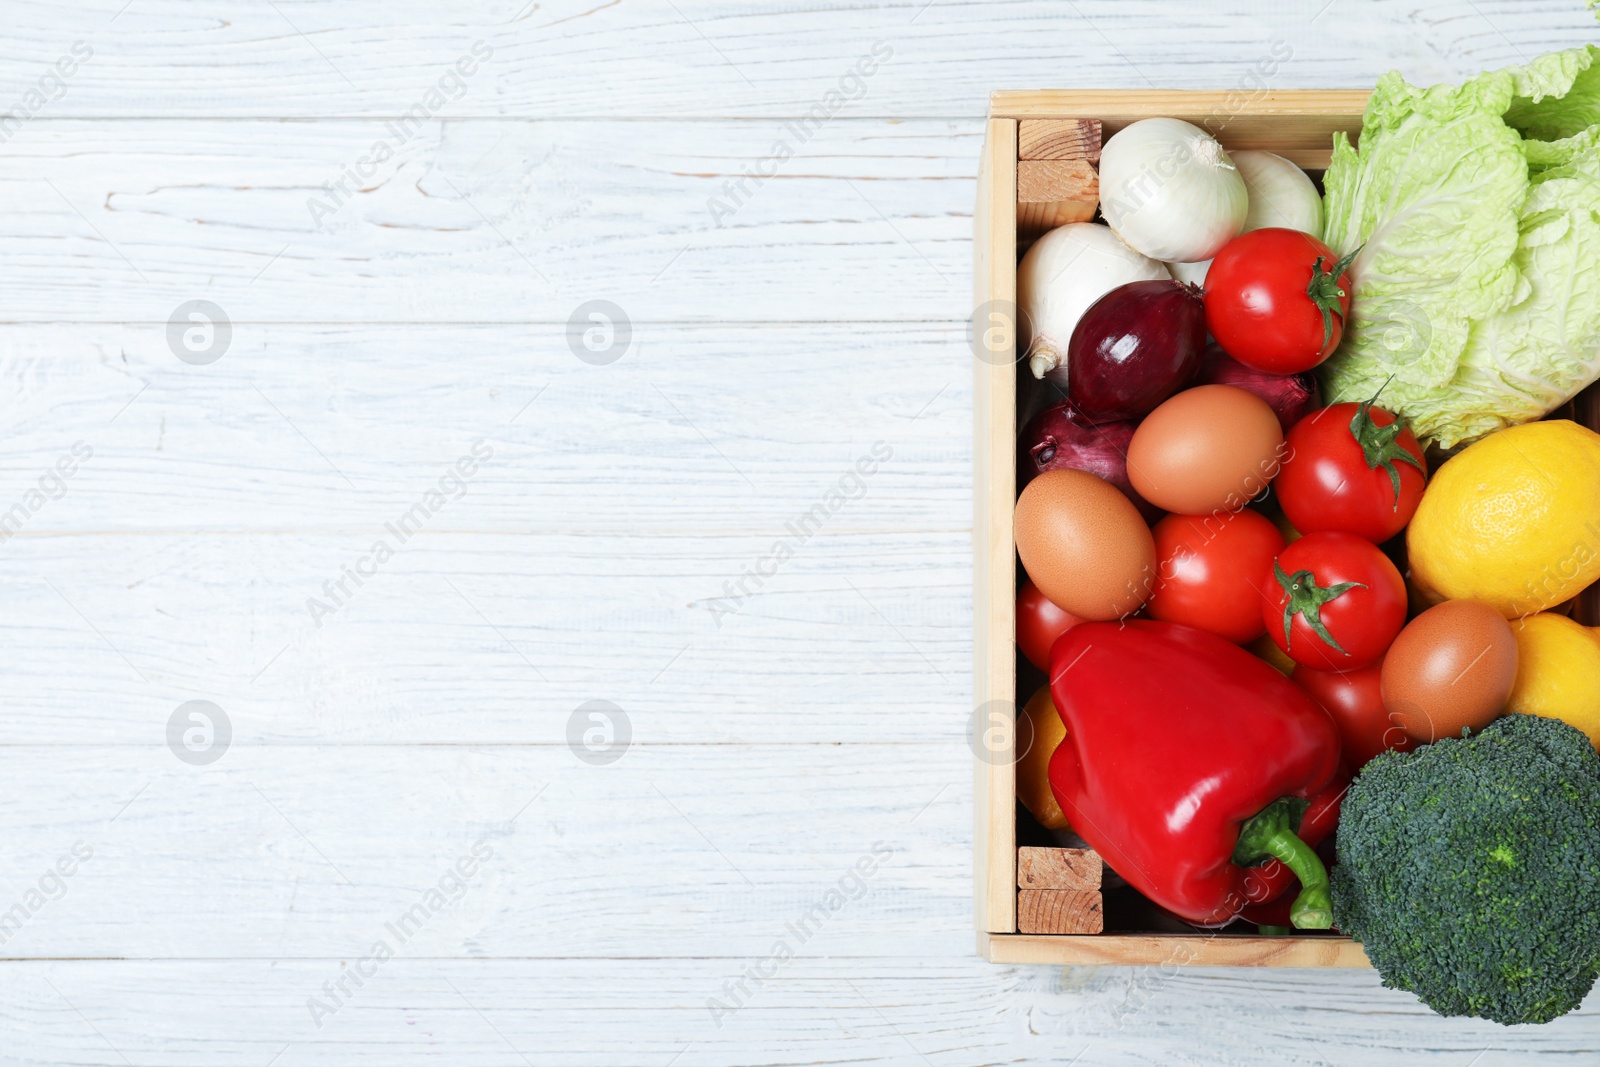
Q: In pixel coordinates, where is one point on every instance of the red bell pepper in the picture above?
(1187, 761)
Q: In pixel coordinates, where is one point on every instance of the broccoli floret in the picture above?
(1469, 870)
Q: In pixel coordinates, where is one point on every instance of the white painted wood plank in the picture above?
(589, 58)
(487, 639)
(839, 1010)
(342, 428)
(200, 537)
(486, 221)
(671, 850)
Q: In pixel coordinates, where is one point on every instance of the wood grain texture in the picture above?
(836, 1009)
(1058, 868)
(992, 731)
(1176, 951)
(1054, 192)
(1298, 125)
(264, 439)
(488, 221)
(1044, 181)
(593, 59)
(774, 343)
(308, 851)
(479, 638)
(1059, 139)
(1060, 912)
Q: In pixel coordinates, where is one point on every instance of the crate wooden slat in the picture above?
(1058, 139)
(1187, 950)
(1296, 124)
(1058, 868)
(994, 421)
(1058, 891)
(1059, 911)
(1053, 192)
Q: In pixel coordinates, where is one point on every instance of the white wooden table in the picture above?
(410, 731)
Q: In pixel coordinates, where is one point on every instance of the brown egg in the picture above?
(1451, 667)
(1084, 545)
(1210, 448)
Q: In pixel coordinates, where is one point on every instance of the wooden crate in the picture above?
(1023, 128)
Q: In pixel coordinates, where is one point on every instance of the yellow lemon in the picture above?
(1558, 672)
(1514, 520)
(1039, 731)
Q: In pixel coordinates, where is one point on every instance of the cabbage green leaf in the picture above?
(1476, 301)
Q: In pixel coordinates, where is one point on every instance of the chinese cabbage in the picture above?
(1477, 290)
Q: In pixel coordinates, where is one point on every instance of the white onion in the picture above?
(1280, 193)
(1193, 273)
(1064, 272)
(1170, 191)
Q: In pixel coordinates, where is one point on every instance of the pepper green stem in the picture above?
(1271, 832)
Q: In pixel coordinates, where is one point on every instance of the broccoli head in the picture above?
(1469, 870)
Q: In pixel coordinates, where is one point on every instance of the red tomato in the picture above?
(1355, 700)
(1352, 468)
(1209, 568)
(1276, 299)
(1341, 599)
(1039, 623)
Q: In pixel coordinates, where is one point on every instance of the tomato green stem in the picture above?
(1324, 291)
(1380, 444)
(1307, 598)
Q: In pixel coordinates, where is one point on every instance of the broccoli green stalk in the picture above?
(1271, 833)
(1469, 870)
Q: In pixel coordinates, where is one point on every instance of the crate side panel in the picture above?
(993, 492)
(1192, 950)
(1296, 123)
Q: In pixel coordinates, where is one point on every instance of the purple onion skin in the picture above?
(1059, 438)
(1292, 396)
(1133, 348)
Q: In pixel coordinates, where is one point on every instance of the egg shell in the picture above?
(1084, 545)
(1453, 666)
(1207, 449)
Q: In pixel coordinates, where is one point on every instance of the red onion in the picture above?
(1059, 437)
(1133, 348)
(1291, 396)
